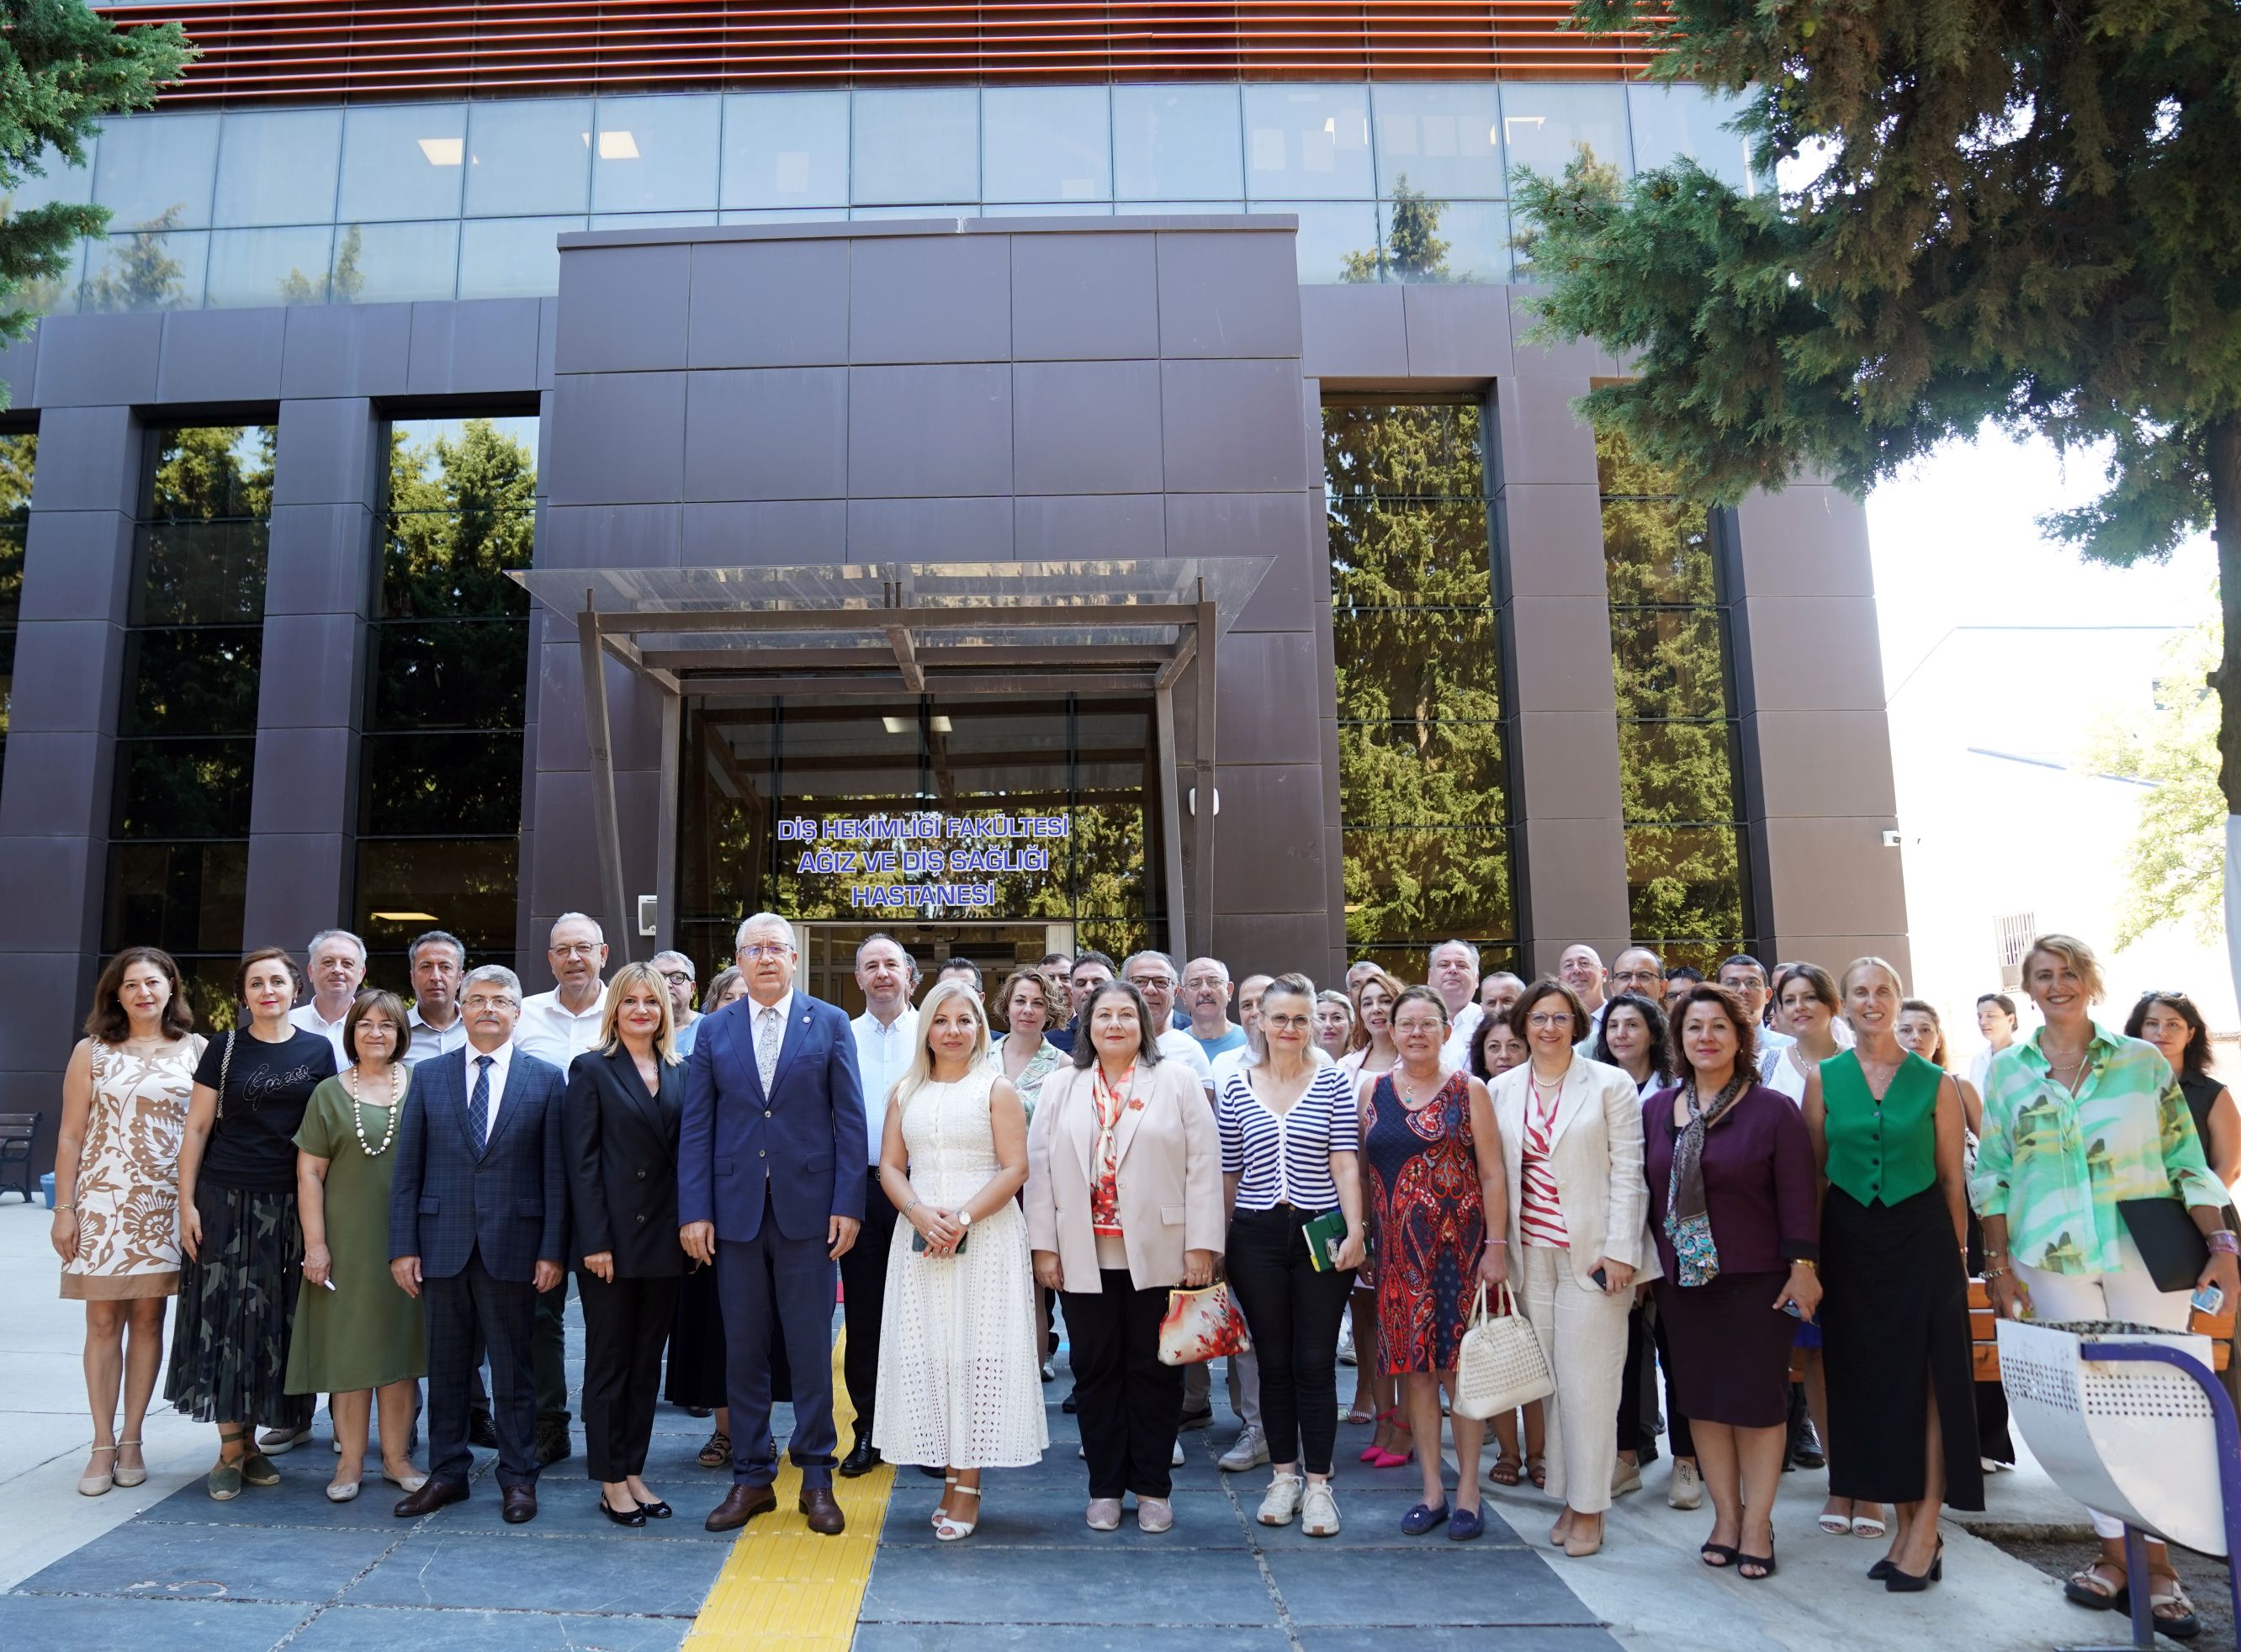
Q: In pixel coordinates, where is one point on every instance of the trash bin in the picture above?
(47, 1189)
(2134, 1439)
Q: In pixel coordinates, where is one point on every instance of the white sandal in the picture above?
(948, 1528)
(125, 1477)
(948, 1483)
(1868, 1526)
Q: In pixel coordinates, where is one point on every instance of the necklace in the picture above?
(1402, 1079)
(357, 1120)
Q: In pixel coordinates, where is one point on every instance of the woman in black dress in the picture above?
(2170, 1022)
(1887, 1132)
(239, 1237)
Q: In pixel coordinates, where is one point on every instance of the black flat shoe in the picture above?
(635, 1517)
(656, 1510)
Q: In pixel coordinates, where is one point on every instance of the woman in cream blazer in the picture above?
(1571, 1143)
(1124, 1201)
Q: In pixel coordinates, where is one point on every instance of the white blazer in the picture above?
(1594, 1148)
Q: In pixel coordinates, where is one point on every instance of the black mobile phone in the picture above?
(918, 1242)
(1602, 1279)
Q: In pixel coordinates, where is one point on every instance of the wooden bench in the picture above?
(1984, 1333)
(18, 1131)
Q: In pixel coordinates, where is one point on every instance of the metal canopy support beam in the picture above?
(1185, 648)
(899, 639)
(606, 828)
(664, 845)
(971, 658)
(1064, 616)
(1171, 828)
(888, 687)
(1204, 801)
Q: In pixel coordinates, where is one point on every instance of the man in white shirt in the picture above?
(1453, 969)
(557, 1026)
(336, 961)
(1746, 978)
(437, 962)
(1580, 967)
(1249, 1013)
(1155, 975)
(886, 1044)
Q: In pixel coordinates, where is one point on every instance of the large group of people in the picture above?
(1725, 1178)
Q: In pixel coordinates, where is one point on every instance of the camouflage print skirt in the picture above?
(237, 1304)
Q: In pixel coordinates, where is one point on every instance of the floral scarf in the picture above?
(1687, 1223)
(1105, 1183)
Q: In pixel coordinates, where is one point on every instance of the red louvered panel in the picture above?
(263, 50)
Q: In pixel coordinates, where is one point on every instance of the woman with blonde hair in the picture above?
(960, 1382)
(618, 1126)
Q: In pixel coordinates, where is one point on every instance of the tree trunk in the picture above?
(2224, 455)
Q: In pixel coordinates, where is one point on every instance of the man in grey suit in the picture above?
(478, 1212)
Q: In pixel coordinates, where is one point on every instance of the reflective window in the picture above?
(278, 166)
(786, 150)
(1686, 888)
(512, 257)
(160, 270)
(534, 156)
(1334, 237)
(157, 170)
(1423, 774)
(1177, 209)
(192, 680)
(1177, 143)
(391, 263)
(655, 154)
(929, 209)
(19, 454)
(1546, 127)
(1429, 241)
(917, 145)
(258, 267)
(1308, 143)
(56, 181)
(403, 161)
(1440, 141)
(1670, 122)
(439, 766)
(652, 220)
(1046, 144)
(1047, 209)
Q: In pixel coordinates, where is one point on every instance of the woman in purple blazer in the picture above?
(1732, 1195)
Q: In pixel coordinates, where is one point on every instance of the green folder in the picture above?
(1325, 1234)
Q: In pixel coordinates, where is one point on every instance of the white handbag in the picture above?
(1500, 1365)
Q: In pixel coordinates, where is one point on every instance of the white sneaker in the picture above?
(1154, 1514)
(1688, 1489)
(1319, 1510)
(1345, 1342)
(1625, 1477)
(1176, 1461)
(1281, 1506)
(275, 1443)
(1250, 1451)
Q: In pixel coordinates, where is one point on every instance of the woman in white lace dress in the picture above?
(960, 1382)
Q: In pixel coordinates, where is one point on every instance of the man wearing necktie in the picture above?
(768, 1190)
(478, 1211)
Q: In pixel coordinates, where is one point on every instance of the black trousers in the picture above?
(624, 1325)
(864, 1283)
(1130, 1405)
(548, 1354)
(1293, 1313)
(467, 1310)
(1677, 1436)
(1638, 1399)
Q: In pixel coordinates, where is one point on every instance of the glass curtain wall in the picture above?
(396, 202)
(447, 671)
(186, 750)
(1678, 773)
(19, 452)
(1423, 777)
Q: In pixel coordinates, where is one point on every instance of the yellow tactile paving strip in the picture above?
(784, 1589)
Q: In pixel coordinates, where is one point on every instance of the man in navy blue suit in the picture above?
(478, 1212)
(768, 1189)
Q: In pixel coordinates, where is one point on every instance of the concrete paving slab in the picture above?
(149, 1558)
(202, 1625)
(556, 1574)
(1065, 1637)
(961, 1583)
(1496, 1587)
(384, 1628)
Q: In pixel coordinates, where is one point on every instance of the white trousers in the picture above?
(1583, 1334)
(2129, 1295)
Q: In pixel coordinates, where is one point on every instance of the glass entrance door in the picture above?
(828, 967)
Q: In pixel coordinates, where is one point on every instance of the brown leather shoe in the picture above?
(825, 1516)
(430, 1498)
(741, 1505)
(520, 1505)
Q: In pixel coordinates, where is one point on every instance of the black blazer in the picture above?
(620, 1146)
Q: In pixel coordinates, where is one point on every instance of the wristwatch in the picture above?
(964, 1219)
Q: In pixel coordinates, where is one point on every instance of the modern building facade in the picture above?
(1022, 496)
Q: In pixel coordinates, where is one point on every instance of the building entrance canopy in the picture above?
(878, 629)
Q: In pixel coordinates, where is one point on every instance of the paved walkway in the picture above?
(165, 1565)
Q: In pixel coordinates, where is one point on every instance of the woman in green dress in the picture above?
(355, 1333)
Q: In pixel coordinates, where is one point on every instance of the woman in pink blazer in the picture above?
(1124, 1202)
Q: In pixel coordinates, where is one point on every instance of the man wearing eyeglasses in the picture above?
(676, 970)
(770, 1189)
(557, 1026)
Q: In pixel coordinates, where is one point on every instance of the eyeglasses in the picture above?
(1288, 1023)
(767, 949)
(678, 977)
(577, 949)
(482, 1002)
(1551, 1018)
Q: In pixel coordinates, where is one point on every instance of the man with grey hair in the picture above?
(336, 963)
(1451, 972)
(768, 1189)
(680, 976)
(478, 1218)
(1155, 976)
(1205, 1001)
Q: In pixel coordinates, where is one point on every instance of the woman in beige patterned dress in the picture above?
(117, 1191)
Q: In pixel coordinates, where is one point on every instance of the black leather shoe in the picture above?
(553, 1444)
(656, 1510)
(520, 1505)
(699, 1411)
(632, 1517)
(1069, 1405)
(862, 1459)
(825, 1516)
(741, 1505)
(1806, 1453)
(430, 1498)
(481, 1431)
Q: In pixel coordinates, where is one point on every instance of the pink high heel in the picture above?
(1378, 1457)
(1372, 1451)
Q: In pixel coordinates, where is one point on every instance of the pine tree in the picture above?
(62, 68)
(2029, 213)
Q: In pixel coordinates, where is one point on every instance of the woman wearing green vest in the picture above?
(1886, 1129)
